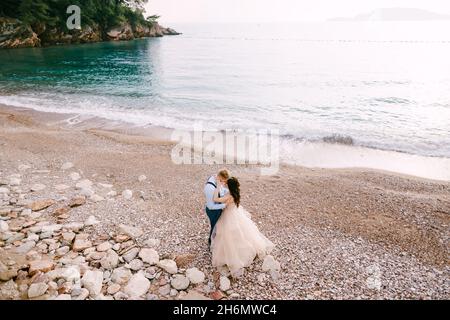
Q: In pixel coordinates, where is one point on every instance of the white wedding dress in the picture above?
(237, 241)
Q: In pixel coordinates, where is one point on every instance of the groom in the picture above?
(213, 209)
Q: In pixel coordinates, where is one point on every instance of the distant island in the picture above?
(35, 23)
(396, 14)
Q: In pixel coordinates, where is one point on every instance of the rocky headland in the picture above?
(16, 34)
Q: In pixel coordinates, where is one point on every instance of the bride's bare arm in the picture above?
(218, 199)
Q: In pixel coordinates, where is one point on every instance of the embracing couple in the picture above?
(234, 239)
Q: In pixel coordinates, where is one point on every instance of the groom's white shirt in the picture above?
(209, 193)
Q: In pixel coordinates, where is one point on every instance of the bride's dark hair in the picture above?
(234, 187)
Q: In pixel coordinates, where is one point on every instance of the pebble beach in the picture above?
(89, 213)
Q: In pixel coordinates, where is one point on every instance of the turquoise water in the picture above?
(380, 86)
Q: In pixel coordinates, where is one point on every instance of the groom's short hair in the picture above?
(224, 173)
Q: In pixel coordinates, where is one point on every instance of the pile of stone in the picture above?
(45, 259)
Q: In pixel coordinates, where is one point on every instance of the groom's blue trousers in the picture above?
(213, 216)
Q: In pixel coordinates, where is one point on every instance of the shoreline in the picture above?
(339, 225)
(307, 154)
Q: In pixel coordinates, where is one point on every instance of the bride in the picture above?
(236, 240)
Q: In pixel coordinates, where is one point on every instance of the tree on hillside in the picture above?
(34, 11)
(104, 13)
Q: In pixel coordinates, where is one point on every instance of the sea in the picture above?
(338, 94)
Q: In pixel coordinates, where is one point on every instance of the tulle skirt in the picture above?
(237, 241)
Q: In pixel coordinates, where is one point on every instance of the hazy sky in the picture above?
(277, 10)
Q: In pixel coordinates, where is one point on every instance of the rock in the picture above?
(130, 231)
(6, 274)
(4, 190)
(137, 286)
(67, 165)
(53, 246)
(84, 184)
(183, 260)
(261, 278)
(68, 237)
(136, 264)
(110, 261)
(74, 226)
(32, 255)
(270, 264)
(164, 290)
(38, 187)
(3, 226)
(96, 198)
(25, 247)
(152, 243)
(35, 215)
(41, 204)
(151, 296)
(28, 224)
(275, 275)
(121, 296)
(217, 295)
(88, 251)
(15, 182)
(105, 246)
(64, 297)
(61, 211)
(26, 212)
(75, 176)
(92, 280)
(37, 289)
(150, 273)
(46, 235)
(61, 187)
(121, 238)
(8, 291)
(51, 228)
(224, 283)
(168, 265)
(142, 178)
(130, 254)
(87, 192)
(194, 295)
(32, 237)
(121, 32)
(121, 275)
(62, 251)
(81, 243)
(180, 282)
(84, 293)
(15, 236)
(127, 194)
(77, 201)
(149, 256)
(113, 288)
(111, 194)
(40, 265)
(91, 221)
(62, 217)
(195, 276)
(95, 256)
